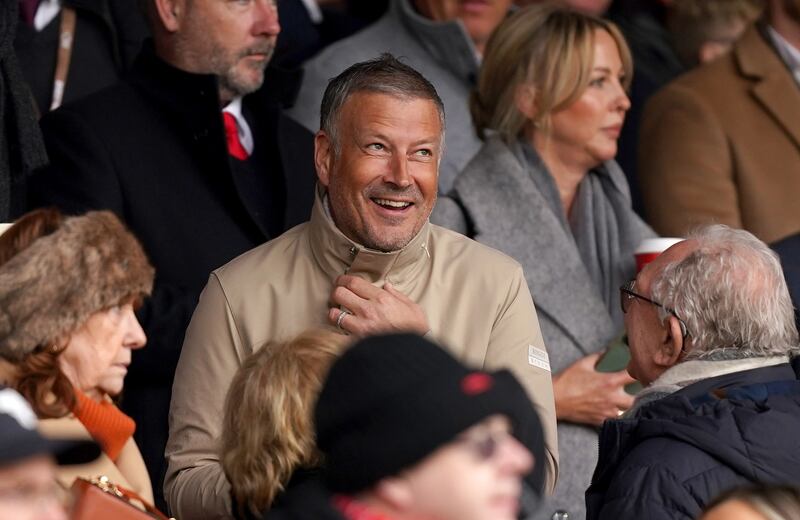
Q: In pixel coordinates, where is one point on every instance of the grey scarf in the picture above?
(605, 229)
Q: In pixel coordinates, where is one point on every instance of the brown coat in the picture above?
(722, 144)
(129, 470)
(475, 298)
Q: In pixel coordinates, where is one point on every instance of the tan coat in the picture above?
(475, 298)
(722, 144)
(129, 470)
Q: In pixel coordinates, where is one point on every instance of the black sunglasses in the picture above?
(627, 295)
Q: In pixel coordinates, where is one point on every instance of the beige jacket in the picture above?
(129, 470)
(475, 298)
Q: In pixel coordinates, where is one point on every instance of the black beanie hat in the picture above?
(390, 401)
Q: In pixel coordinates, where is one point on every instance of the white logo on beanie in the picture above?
(13, 404)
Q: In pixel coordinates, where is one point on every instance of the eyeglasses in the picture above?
(484, 445)
(627, 295)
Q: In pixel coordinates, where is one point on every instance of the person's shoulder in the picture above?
(387, 34)
(278, 254)
(705, 81)
(99, 108)
(459, 251)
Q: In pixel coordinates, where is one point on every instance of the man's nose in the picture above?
(398, 173)
(516, 457)
(266, 18)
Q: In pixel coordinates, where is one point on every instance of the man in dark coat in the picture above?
(711, 329)
(153, 150)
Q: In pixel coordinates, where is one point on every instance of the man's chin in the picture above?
(241, 84)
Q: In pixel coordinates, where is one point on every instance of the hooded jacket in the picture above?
(682, 451)
(475, 298)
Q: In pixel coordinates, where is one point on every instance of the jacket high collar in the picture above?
(336, 254)
(716, 415)
(447, 42)
(193, 96)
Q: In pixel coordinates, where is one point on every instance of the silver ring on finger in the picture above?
(340, 319)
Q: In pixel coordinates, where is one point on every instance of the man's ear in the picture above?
(170, 12)
(323, 157)
(525, 100)
(672, 344)
(396, 492)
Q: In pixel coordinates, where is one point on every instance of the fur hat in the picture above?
(52, 287)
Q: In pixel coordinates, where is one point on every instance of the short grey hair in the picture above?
(384, 75)
(732, 295)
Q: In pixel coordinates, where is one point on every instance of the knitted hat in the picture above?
(390, 401)
(88, 264)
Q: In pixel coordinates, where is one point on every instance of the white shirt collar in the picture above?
(234, 108)
(47, 10)
(788, 52)
(314, 12)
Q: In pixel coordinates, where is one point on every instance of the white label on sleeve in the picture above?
(538, 357)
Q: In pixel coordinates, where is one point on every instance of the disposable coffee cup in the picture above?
(650, 248)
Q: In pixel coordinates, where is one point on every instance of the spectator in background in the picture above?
(466, 441)
(442, 39)
(193, 152)
(756, 503)
(28, 486)
(307, 26)
(720, 144)
(711, 331)
(268, 447)
(368, 262)
(593, 7)
(703, 30)
(104, 36)
(21, 148)
(545, 190)
(68, 288)
(644, 25)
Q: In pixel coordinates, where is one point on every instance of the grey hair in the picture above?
(385, 75)
(731, 294)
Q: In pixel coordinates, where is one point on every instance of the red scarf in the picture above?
(353, 510)
(105, 422)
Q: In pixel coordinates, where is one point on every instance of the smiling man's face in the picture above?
(382, 181)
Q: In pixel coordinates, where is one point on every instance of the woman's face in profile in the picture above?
(586, 132)
(97, 355)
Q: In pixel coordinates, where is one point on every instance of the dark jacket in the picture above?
(152, 149)
(681, 451)
(108, 36)
(305, 498)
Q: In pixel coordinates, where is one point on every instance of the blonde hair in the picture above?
(548, 47)
(268, 427)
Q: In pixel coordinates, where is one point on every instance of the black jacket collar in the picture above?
(183, 92)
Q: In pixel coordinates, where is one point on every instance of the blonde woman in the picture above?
(268, 443)
(549, 104)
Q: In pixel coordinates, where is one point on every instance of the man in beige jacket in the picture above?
(368, 261)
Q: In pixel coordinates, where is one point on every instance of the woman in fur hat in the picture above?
(68, 289)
